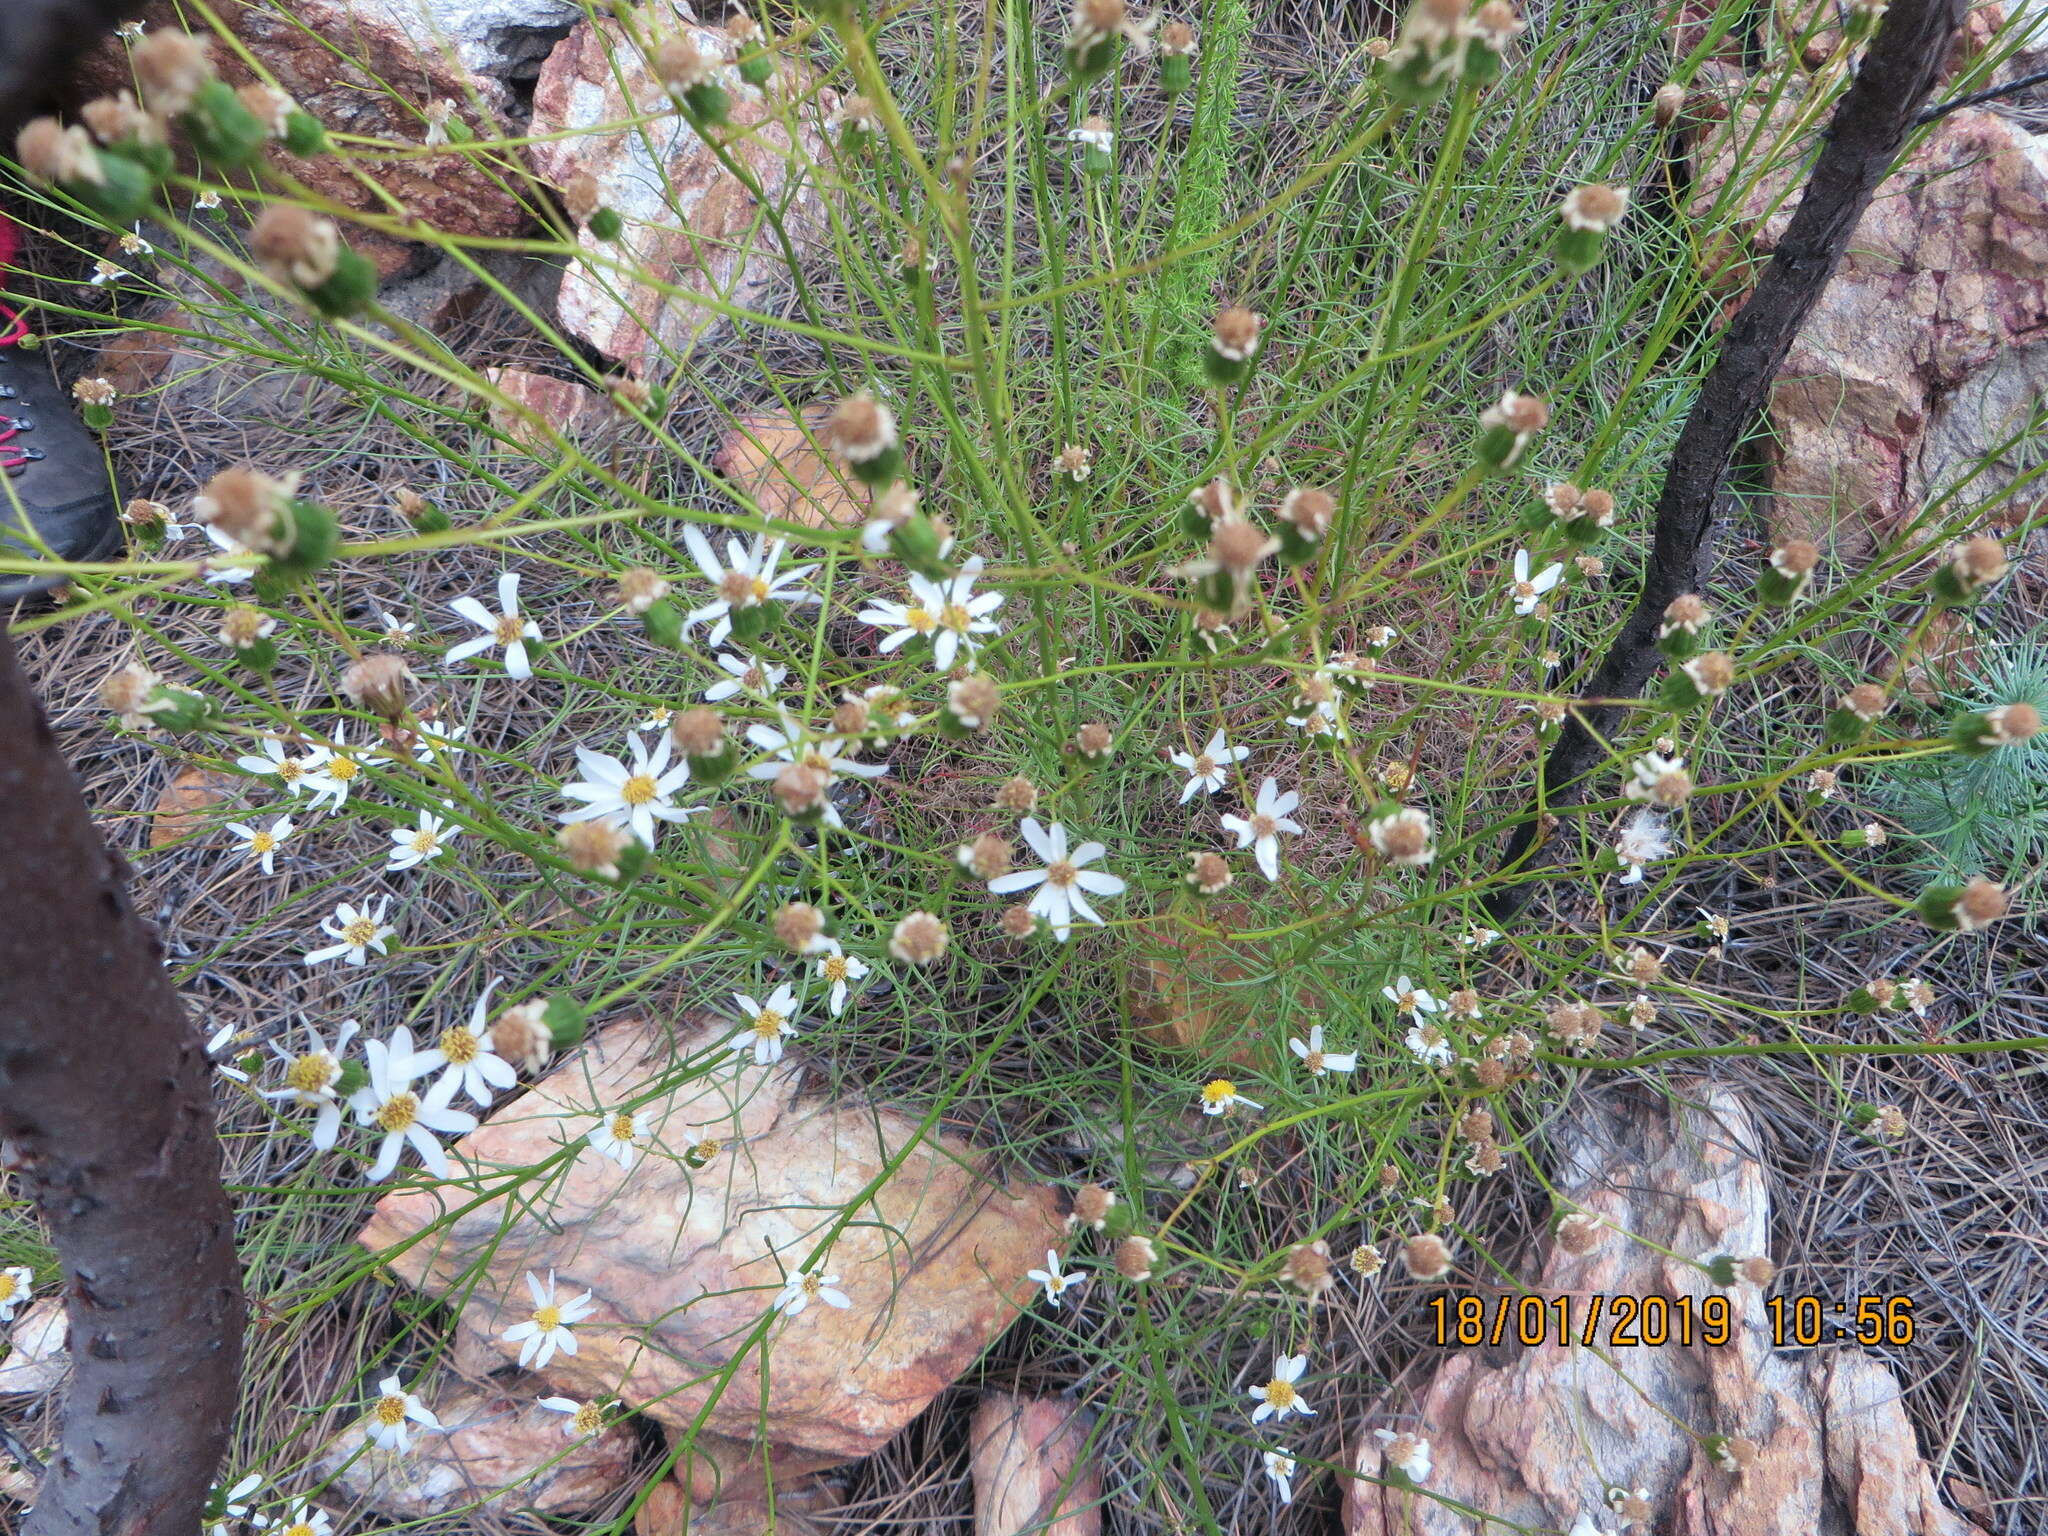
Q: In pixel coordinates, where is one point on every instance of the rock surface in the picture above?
(1540, 1435)
(37, 1358)
(684, 1261)
(507, 1451)
(691, 227)
(1032, 1470)
(772, 458)
(539, 401)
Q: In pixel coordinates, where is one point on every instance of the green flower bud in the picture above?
(564, 1018)
(223, 131)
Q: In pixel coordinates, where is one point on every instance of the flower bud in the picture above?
(1974, 566)
(1589, 214)
(699, 734)
(1667, 103)
(1962, 908)
(801, 792)
(1233, 344)
(2007, 725)
(1506, 429)
(378, 682)
(862, 431)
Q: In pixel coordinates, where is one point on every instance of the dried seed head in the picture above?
(1498, 23)
(698, 732)
(1210, 872)
(1668, 103)
(268, 105)
(1136, 1257)
(1866, 701)
(126, 689)
(1712, 672)
(1310, 511)
(582, 196)
(1307, 1268)
(895, 506)
(520, 1034)
(640, 589)
(680, 65)
(51, 152)
(1463, 1003)
(800, 790)
(1486, 1159)
(1018, 794)
(1095, 739)
(245, 504)
(1563, 499)
(1597, 507)
(1236, 333)
(171, 66)
(1795, 558)
(1980, 562)
(860, 428)
(242, 626)
(988, 857)
(741, 29)
(1687, 611)
(1476, 1125)
(295, 245)
(1075, 462)
(116, 119)
(1595, 206)
(629, 394)
(1215, 501)
(1018, 922)
(1366, 1261)
(379, 682)
(2010, 723)
(1177, 37)
(1403, 838)
(1389, 1177)
(1580, 1232)
(1891, 1122)
(593, 847)
(850, 717)
(919, 939)
(1739, 1453)
(1426, 1256)
(798, 926)
(1489, 1073)
(974, 701)
(1757, 1271)
(1981, 904)
(1644, 968)
(1238, 547)
(1092, 1205)
(1521, 414)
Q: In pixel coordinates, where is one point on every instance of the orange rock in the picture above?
(1185, 989)
(771, 458)
(538, 402)
(182, 809)
(1032, 1470)
(684, 1262)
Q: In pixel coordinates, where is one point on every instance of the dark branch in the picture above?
(1863, 140)
(1978, 98)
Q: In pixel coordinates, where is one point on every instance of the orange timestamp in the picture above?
(1625, 1321)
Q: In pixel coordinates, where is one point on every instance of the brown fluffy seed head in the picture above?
(1795, 557)
(1238, 547)
(799, 789)
(268, 105)
(1521, 414)
(630, 394)
(1136, 1257)
(680, 65)
(1712, 672)
(1018, 922)
(94, 392)
(1489, 1073)
(1981, 904)
(1236, 333)
(1687, 611)
(1307, 1268)
(295, 245)
(698, 732)
(379, 683)
(1580, 1232)
(1094, 740)
(242, 626)
(895, 506)
(1426, 1256)
(520, 1034)
(919, 939)
(1668, 103)
(1389, 1177)
(51, 152)
(850, 717)
(1215, 501)
(1891, 1121)
(1757, 1271)
(1980, 562)
(1475, 1125)
(640, 589)
(741, 29)
(1309, 510)
(1742, 1451)
(798, 925)
(126, 689)
(1595, 206)
(582, 196)
(1597, 506)
(2014, 722)
(1402, 839)
(974, 701)
(1177, 37)
(245, 504)
(1210, 872)
(1092, 1205)
(988, 857)
(592, 847)
(860, 428)
(1644, 968)
(1498, 23)
(171, 66)
(115, 119)
(1018, 794)
(1866, 701)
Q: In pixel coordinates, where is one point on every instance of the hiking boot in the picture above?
(56, 477)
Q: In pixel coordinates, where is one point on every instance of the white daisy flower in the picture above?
(634, 798)
(1477, 937)
(830, 756)
(508, 628)
(221, 1039)
(1279, 1396)
(388, 1104)
(312, 1078)
(745, 674)
(356, 932)
(1055, 1282)
(232, 566)
(105, 272)
(411, 846)
(1059, 898)
(430, 737)
(1209, 769)
(225, 1507)
(1428, 1044)
(800, 1290)
(394, 629)
(1220, 1097)
(548, 1329)
(620, 1135)
(746, 580)
(834, 966)
(1409, 998)
(1261, 830)
(1408, 1454)
(332, 771)
(658, 719)
(1642, 842)
(260, 843)
(394, 1409)
(208, 200)
(772, 1023)
(1319, 1061)
(1279, 1468)
(464, 1051)
(17, 1285)
(1527, 591)
(274, 762)
(581, 1421)
(299, 1519)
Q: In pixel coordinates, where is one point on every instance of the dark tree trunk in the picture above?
(1863, 140)
(106, 1097)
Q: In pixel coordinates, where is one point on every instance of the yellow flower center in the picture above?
(360, 933)
(460, 1044)
(262, 843)
(1279, 1394)
(759, 589)
(818, 762)
(1061, 873)
(706, 1150)
(1313, 1061)
(510, 627)
(311, 1073)
(290, 769)
(9, 1284)
(343, 768)
(1220, 1091)
(425, 842)
(834, 968)
(660, 716)
(638, 790)
(589, 1419)
(622, 1129)
(919, 620)
(398, 1113)
(1264, 826)
(548, 1319)
(768, 1023)
(1204, 766)
(390, 1409)
(812, 1284)
(957, 618)
(298, 1528)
